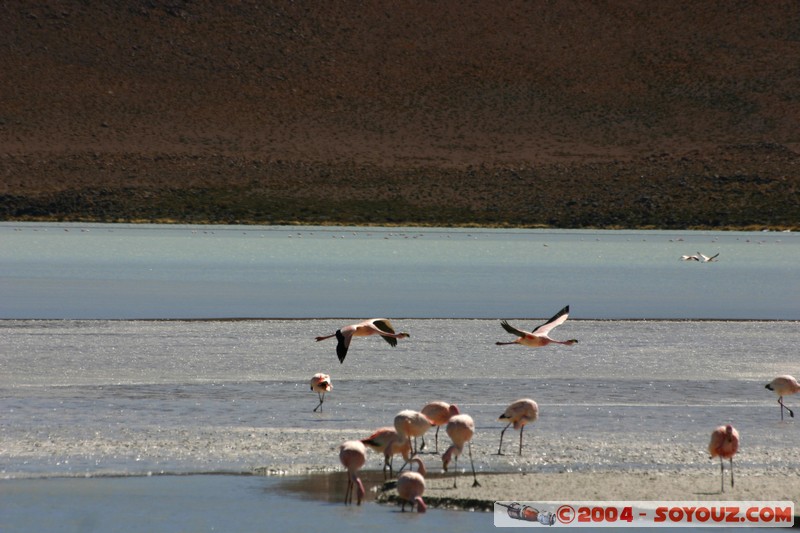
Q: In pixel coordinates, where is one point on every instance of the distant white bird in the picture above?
(374, 326)
(705, 259)
(689, 258)
(539, 336)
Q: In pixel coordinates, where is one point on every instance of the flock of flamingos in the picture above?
(391, 441)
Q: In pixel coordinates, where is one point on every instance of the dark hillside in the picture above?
(567, 114)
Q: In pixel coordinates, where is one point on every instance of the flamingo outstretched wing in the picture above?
(342, 345)
(511, 329)
(386, 327)
(558, 319)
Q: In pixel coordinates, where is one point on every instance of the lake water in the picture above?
(129, 271)
(88, 389)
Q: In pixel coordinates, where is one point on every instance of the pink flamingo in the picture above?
(353, 455)
(439, 413)
(374, 326)
(387, 441)
(539, 336)
(724, 444)
(460, 429)
(518, 413)
(410, 487)
(409, 423)
(321, 383)
(783, 386)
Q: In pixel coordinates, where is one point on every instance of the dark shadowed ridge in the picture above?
(564, 114)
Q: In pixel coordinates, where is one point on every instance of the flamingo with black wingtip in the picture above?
(539, 336)
(373, 326)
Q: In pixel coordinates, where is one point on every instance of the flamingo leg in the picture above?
(731, 472)
(437, 439)
(348, 494)
(321, 399)
(500, 448)
(474, 477)
(403, 467)
(387, 463)
(780, 401)
(520, 440)
(722, 474)
(455, 474)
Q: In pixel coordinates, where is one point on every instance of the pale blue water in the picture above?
(139, 397)
(127, 271)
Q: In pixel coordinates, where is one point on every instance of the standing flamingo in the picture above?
(460, 429)
(724, 444)
(353, 455)
(539, 336)
(518, 413)
(783, 386)
(409, 423)
(410, 487)
(374, 326)
(387, 441)
(321, 383)
(439, 413)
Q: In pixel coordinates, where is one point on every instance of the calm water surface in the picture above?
(130, 271)
(140, 398)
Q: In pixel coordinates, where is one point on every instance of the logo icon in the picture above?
(529, 514)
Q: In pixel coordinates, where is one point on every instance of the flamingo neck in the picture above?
(448, 455)
(420, 465)
(359, 490)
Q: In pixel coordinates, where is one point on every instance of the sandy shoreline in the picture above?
(751, 485)
(628, 486)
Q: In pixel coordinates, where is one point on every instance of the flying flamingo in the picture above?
(783, 386)
(410, 423)
(724, 444)
(410, 487)
(518, 413)
(705, 259)
(321, 383)
(353, 455)
(374, 326)
(460, 429)
(387, 441)
(538, 337)
(439, 413)
(690, 258)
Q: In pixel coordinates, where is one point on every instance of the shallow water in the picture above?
(200, 503)
(134, 397)
(151, 271)
(137, 398)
